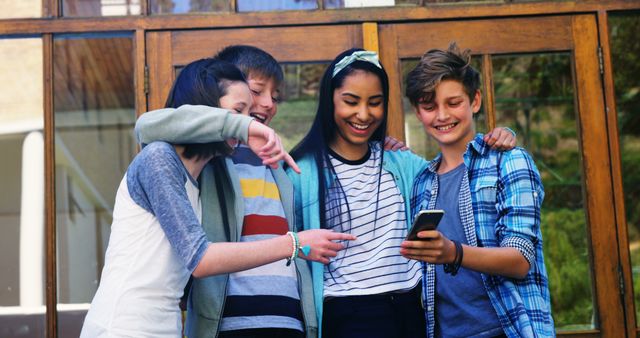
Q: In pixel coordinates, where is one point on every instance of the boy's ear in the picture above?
(477, 101)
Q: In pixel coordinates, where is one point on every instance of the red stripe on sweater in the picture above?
(264, 225)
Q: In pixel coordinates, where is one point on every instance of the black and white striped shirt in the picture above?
(372, 264)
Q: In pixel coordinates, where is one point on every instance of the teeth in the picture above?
(261, 118)
(359, 126)
(447, 127)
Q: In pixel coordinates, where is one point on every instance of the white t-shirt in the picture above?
(156, 242)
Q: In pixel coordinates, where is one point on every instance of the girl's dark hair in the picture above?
(324, 130)
(204, 82)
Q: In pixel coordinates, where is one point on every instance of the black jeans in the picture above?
(389, 315)
(262, 333)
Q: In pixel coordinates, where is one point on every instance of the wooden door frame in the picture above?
(577, 34)
(169, 49)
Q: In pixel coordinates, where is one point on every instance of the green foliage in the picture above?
(293, 120)
(567, 262)
(625, 56)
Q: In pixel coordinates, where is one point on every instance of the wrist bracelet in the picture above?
(294, 251)
(296, 247)
(453, 267)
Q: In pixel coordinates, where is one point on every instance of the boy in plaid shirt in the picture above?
(484, 273)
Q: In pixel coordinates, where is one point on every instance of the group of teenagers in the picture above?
(263, 243)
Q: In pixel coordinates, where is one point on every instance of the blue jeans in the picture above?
(388, 315)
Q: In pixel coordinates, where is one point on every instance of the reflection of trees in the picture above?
(534, 95)
(625, 56)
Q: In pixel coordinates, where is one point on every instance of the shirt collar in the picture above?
(477, 146)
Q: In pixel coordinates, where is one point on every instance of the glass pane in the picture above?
(414, 134)
(22, 258)
(428, 2)
(20, 9)
(94, 118)
(625, 51)
(71, 8)
(188, 6)
(299, 101)
(535, 97)
(275, 5)
(368, 3)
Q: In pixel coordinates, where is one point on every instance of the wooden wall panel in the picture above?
(507, 35)
(139, 81)
(391, 63)
(160, 68)
(286, 44)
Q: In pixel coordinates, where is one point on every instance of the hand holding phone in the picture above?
(424, 220)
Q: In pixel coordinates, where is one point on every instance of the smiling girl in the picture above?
(351, 185)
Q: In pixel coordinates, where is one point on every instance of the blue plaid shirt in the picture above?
(500, 202)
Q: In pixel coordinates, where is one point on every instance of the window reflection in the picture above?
(535, 97)
(299, 99)
(625, 48)
(188, 6)
(275, 5)
(22, 287)
(368, 3)
(94, 117)
(73, 8)
(20, 9)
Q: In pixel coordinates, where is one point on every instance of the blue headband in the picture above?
(361, 55)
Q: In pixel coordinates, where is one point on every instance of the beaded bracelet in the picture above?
(296, 246)
(294, 251)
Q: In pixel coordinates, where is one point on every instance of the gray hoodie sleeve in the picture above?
(191, 124)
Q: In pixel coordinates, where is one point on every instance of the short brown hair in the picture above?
(437, 65)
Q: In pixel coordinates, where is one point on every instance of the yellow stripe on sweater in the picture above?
(259, 188)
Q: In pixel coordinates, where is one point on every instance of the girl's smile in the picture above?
(358, 112)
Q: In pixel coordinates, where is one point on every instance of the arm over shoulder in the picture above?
(156, 181)
(191, 124)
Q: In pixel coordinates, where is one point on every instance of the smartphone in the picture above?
(424, 220)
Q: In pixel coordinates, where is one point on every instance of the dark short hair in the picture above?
(204, 82)
(252, 61)
(437, 65)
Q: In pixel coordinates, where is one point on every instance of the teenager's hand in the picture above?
(392, 144)
(434, 249)
(322, 244)
(267, 145)
(501, 139)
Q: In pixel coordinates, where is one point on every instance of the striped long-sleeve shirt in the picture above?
(266, 296)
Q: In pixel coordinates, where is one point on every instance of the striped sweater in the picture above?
(266, 296)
